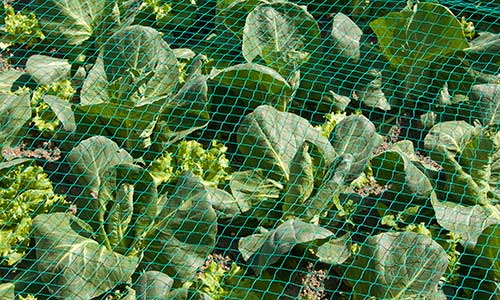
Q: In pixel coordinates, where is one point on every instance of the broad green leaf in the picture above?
(46, 70)
(280, 241)
(71, 22)
(63, 111)
(355, 135)
(225, 204)
(487, 103)
(8, 80)
(7, 291)
(346, 36)
(484, 50)
(408, 184)
(467, 221)
(184, 113)
(130, 126)
(130, 196)
(283, 34)
(256, 84)
(233, 13)
(140, 65)
(328, 191)
(467, 154)
(301, 183)
(271, 139)
(335, 251)
(89, 162)
(255, 193)
(488, 246)
(94, 89)
(418, 35)
(15, 111)
(184, 232)
(73, 266)
(369, 91)
(153, 285)
(397, 265)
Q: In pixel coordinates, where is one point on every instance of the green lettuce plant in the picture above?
(25, 192)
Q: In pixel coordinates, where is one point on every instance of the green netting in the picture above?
(249, 149)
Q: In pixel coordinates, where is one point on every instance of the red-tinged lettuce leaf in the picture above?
(398, 265)
(73, 266)
(184, 232)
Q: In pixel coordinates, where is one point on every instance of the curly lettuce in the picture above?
(20, 27)
(25, 191)
(43, 117)
(211, 165)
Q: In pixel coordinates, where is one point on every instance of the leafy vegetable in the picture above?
(264, 249)
(19, 27)
(89, 162)
(15, 111)
(270, 139)
(184, 231)
(398, 265)
(25, 192)
(346, 37)
(85, 269)
(467, 155)
(283, 34)
(153, 285)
